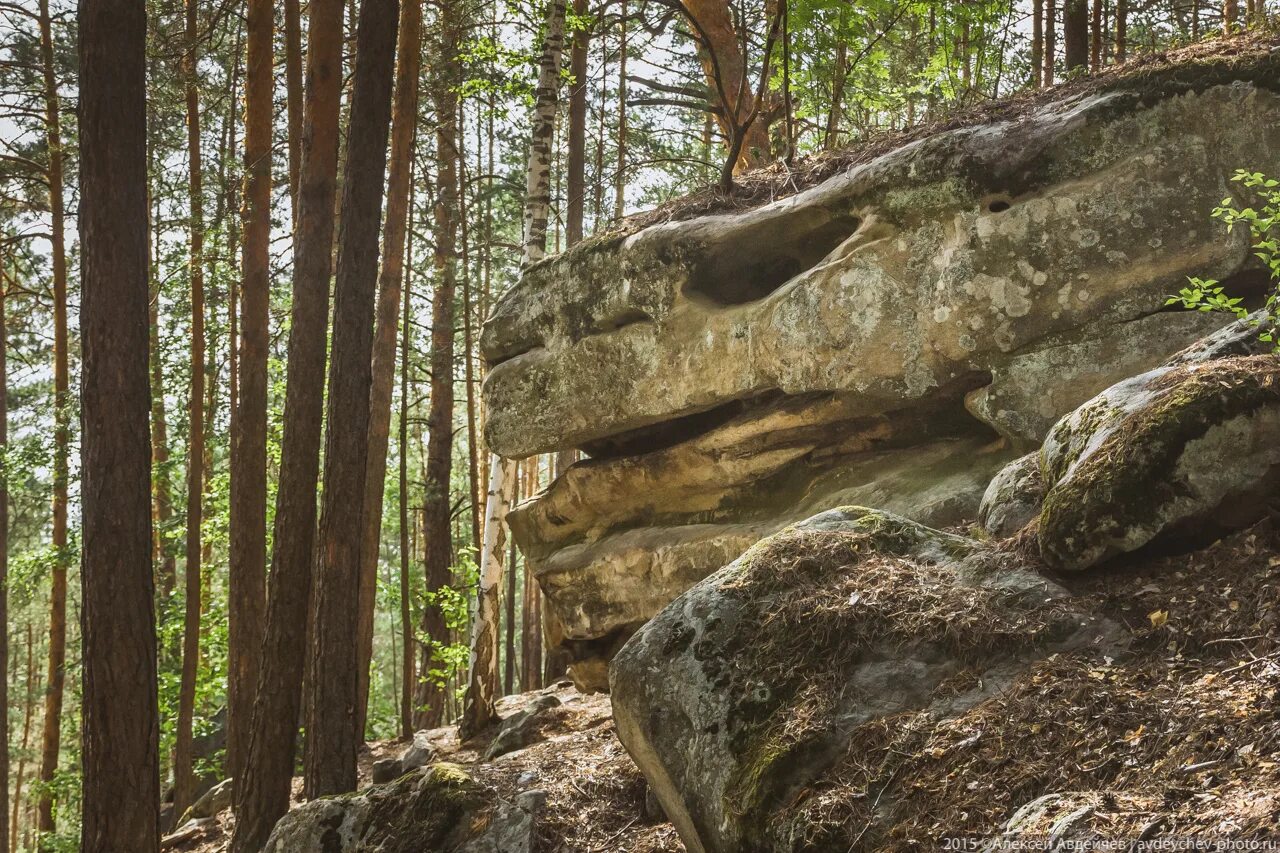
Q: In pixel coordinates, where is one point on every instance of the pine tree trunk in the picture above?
(620, 172)
(50, 741)
(1037, 43)
(1075, 28)
(268, 766)
(1230, 16)
(406, 615)
(1050, 39)
(509, 665)
(183, 776)
(4, 568)
(577, 165)
(293, 96)
(403, 132)
(248, 519)
(725, 70)
(438, 555)
(1122, 30)
(120, 719)
(162, 484)
(28, 703)
(333, 736)
(1095, 44)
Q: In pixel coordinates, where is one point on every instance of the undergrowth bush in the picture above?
(1209, 294)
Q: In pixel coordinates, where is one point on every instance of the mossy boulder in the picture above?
(1013, 497)
(438, 810)
(1184, 452)
(743, 693)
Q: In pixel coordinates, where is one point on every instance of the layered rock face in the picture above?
(891, 337)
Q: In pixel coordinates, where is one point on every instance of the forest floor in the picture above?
(595, 793)
(1177, 737)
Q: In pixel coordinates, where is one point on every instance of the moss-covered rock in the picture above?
(1186, 450)
(438, 810)
(744, 692)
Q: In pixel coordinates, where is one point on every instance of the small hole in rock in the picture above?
(999, 206)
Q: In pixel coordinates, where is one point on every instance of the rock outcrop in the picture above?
(766, 704)
(892, 337)
(749, 688)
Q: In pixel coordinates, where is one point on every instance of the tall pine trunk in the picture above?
(248, 521)
(183, 775)
(406, 611)
(4, 566)
(120, 718)
(50, 740)
(332, 714)
(577, 165)
(403, 127)
(437, 538)
(269, 761)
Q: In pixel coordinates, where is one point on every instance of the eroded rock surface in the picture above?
(891, 337)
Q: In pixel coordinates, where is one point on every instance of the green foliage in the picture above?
(1209, 294)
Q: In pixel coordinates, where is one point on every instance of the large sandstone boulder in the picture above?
(891, 337)
(753, 685)
(1186, 450)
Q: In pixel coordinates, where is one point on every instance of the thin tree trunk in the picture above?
(1230, 16)
(120, 719)
(50, 740)
(532, 634)
(577, 165)
(183, 776)
(838, 76)
(406, 615)
(248, 511)
(438, 556)
(293, 96)
(5, 829)
(28, 704)
(264, 796)
(538, 190)
(333, 736)
(403, 132)
(1095, 44)
(162, 483)
(620, 170)
(509, 667)
(1050, 39)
